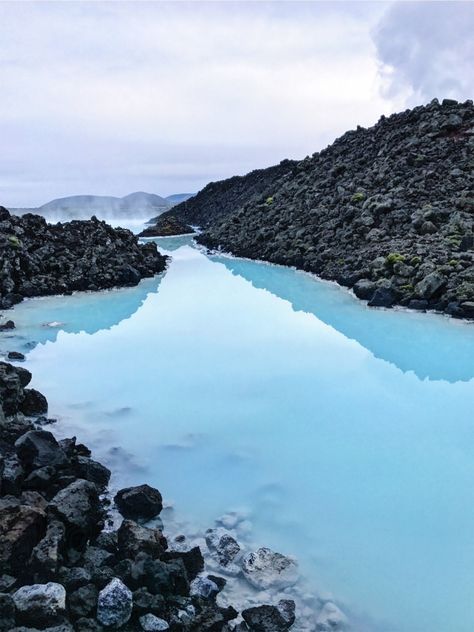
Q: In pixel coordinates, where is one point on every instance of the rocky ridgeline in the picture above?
(219, 199)
(62, 571)
(166, 227)
(387, 211)
(37, 258)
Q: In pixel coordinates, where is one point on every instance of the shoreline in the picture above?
(223, 555)
(362, 302)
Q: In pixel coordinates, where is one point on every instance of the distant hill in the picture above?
(135, 205)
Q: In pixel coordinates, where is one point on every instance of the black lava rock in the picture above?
(143, 502)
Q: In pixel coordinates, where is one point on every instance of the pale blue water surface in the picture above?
(346, 432)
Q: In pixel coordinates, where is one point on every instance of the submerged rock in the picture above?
(331, 619)
(15, 355)
(264, 569)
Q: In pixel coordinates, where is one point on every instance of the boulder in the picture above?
(265, 619)
(193, 560)
(151, 623)
(93, 471)
(430, 285)
(266, 569)
(203, 587)
(12, 382)
(40, 604)
(21, 528)
(74, 577)
(85, 624)
(78, 506)
(34, 403)
(364, 289)
(47, 554)
(227, 549)
(383, 297)
(39, 448)
(144, 602)
(7, 612)
(134, 539)
(114, 604)
(165, 578)
(12, 476)
(82, 602)
(141, 502)
(15, 355)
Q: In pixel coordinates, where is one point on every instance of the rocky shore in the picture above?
(64, 568)
(387, 211)
(37, 258)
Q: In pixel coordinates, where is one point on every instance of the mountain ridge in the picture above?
(138, 204)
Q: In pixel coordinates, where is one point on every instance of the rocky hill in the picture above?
(37, 258)
(387, 211)
(219, 199)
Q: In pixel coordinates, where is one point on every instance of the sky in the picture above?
(114, 97)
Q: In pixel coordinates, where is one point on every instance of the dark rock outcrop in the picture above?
(37, 258)
(386, 210)
(166, 226)
(219, 199)
(141, 502)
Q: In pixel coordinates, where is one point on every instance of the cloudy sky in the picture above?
(114, 97)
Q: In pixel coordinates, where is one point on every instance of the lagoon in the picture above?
(345, 433)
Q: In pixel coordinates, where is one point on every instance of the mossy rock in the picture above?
(14, 241)
(358, 197)
(393, 258)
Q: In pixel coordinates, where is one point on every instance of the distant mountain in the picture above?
(135, 205)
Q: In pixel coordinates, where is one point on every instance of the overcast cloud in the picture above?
(108, 98)
(427, 50)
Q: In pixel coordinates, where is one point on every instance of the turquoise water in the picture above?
(346, 433)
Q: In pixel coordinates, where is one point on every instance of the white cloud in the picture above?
(112, 97)
(426, 50)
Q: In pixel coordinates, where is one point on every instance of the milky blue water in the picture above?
(346, 432)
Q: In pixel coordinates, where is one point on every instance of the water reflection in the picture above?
(225, 396)
(171, 244)
(431, 346)
(41, 319)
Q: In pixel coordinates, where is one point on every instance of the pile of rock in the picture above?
(37, 258)
(62, 571)
(167, 226)
(387, 211)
